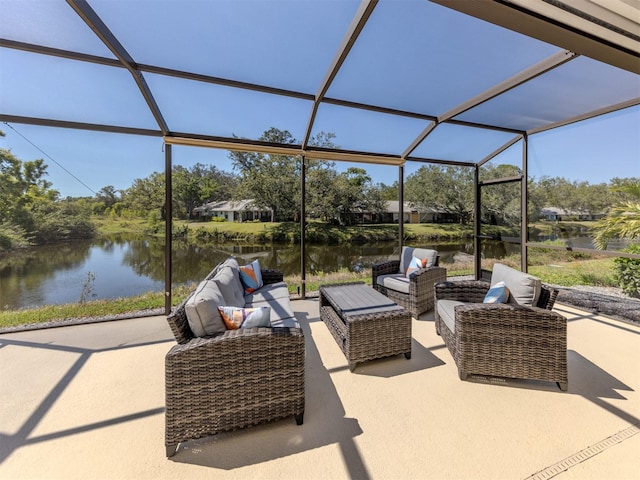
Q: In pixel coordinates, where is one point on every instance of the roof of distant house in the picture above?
(231, 206)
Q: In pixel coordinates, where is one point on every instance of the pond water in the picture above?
(119, 267)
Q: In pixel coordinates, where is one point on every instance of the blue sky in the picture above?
(478, 56)
(594, 151)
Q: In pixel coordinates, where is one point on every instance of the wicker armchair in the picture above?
(503, 339)
(414, 293)
(233, 380)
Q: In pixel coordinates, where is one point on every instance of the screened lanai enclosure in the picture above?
(400, 83)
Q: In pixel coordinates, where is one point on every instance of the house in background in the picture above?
(247, 211)
(414, 213)
(233, 211)
(556, 214)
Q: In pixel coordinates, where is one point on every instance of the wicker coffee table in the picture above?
(365, 323)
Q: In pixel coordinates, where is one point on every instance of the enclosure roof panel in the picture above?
(462, 143)
(283, 44)
(571, 90)
(49, 24)
(37, 85)
(366, 130)
(210, 109)
(412, 57)
(392, 80)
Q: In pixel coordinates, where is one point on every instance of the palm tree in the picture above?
(623, 219)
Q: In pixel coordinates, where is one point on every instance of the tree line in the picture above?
(272, 181)
(32, 212)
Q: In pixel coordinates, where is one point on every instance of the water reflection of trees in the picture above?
(24, 272)
(192, 262)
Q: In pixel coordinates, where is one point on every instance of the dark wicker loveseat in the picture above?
(503, 339)
(231, 380)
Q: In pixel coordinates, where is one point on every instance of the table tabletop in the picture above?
(358, 299)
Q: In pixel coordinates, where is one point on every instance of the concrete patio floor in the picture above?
(87, 402)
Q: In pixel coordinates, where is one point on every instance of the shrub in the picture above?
(627, 272)
(98, 208)
(153, 217)
(118, 208)
(58, 226)
(180, 231)
(12, 237)
(263, 236)
(279, 236)
(201, 234)
(5, 242)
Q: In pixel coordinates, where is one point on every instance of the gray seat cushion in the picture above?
(280, 308)
(272, 291)
(446, 310)
(523, 288)
(290, 322)
(394, 281)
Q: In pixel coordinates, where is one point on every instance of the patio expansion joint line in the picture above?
(584, 455)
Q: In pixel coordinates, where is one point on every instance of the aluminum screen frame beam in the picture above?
(524, 76)
(33, 48)
(365, 9)
(596, 113)
(58, 52)
(524, 204)
(303, 226)
(94, 127)
(91, 18)
(540, 68)
(168, 228)
(499, 150)
(315, 153)
(539, 20)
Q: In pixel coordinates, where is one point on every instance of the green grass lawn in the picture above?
(597, 272)
(315, 229)
(231, 227)
(118, 225)
(111, 225)
(95, 308)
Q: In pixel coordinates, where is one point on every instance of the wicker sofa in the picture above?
(236, 378)
(414, 292)
(519, 339)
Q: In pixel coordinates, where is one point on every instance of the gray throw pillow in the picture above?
(202, 309)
